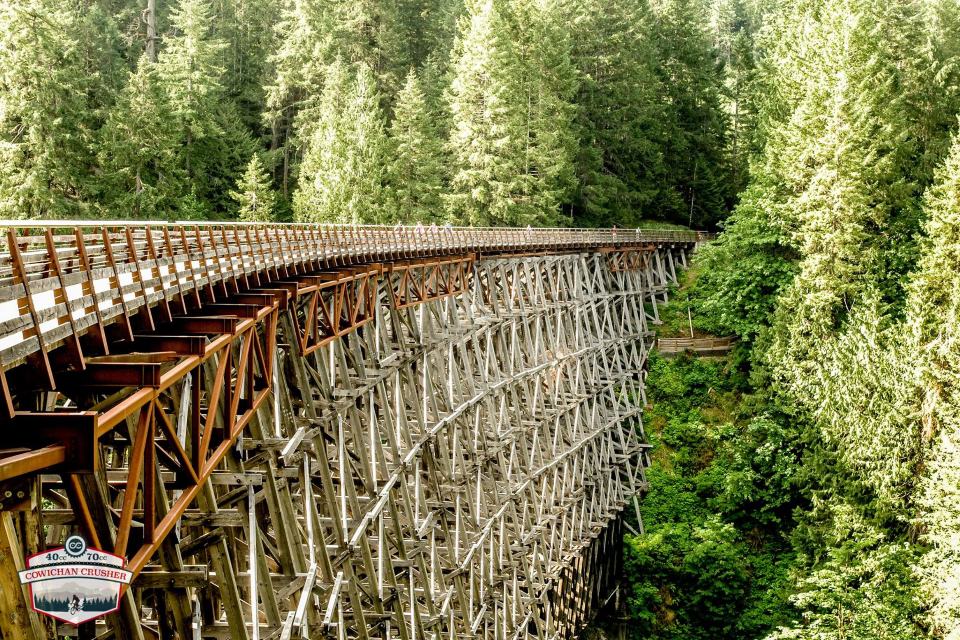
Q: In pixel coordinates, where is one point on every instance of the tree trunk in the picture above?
(286, 168)
(139, 187)
(693, 193)
(151, 30)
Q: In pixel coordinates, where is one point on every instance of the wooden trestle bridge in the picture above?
(326, 431)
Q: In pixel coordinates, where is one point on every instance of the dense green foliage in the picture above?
(726, 476)
(502, 112)
(838, 272)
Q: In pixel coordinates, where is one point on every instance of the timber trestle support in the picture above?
(296, 431)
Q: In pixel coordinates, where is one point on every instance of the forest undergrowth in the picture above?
(716, 557)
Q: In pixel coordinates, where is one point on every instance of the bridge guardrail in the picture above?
(60, 278)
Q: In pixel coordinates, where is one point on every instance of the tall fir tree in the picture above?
(247, 29)
(487, 129)
(852, 121)
(59, 72)
(734, 26)
(140, 151)
(254, 196)
(695, 140)
(322, 174)
(743, 96)
(417, 164)
(619, 165)
(220, 159)
(341, 177)
(305, 42)
(429, 26)
(435, 79)
(216, 142)
(933, 323)
(549, 82)
(312, 34)
(370, 32)
(847, 161)
(191, 65)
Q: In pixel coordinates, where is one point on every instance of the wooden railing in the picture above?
(675, 345)
(59, 280)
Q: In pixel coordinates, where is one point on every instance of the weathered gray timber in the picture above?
(672, 347)
(452, 465)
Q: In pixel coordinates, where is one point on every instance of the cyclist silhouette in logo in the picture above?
(75, 604)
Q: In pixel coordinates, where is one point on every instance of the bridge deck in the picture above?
(84, 276)
(458, 400)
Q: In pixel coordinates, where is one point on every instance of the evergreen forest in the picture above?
(806, 486)
(477, 112)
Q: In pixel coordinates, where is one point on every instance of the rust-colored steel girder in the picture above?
(330, 304)
(416, 281)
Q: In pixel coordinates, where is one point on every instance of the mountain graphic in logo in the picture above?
(74, 583)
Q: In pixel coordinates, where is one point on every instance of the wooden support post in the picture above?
(220, 558)
(18, 621)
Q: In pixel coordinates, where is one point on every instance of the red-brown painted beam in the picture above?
(114, 374)
(181, 345)
(26, 461)
(75, 431)
(209, 325)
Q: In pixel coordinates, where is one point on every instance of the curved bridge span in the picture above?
(297, 431)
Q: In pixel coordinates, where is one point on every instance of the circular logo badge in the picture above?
(75, 546)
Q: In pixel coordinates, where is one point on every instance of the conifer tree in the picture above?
(192, 68)
(487, 129)
(247, 29)
(933, 321)
(695, 138)
(140, 151)
(313, 33)
(217, 143)
(254, 195)
(428, 26)
(342, 174)
(369, 32)
(734, 26)
(846, 160)
(304, 47)
(728, 20)
(221, 159)
(742, 87)
(416, 176)
(549, 82)
(851, 127)
(192, 207)
(322, 188)
(619, 166)
(59, 70)
(434, 78)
